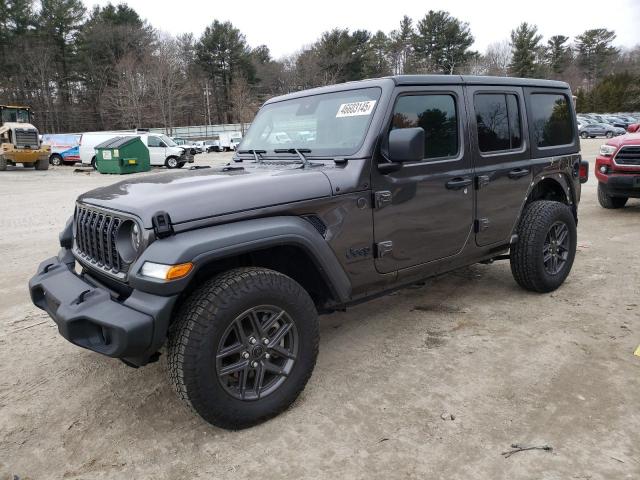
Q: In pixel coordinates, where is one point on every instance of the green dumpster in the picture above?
(122, 155)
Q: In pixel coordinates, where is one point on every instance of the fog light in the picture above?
(166, 272)
(603, 169)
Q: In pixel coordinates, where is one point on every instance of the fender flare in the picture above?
(209, 244)
(558, 177)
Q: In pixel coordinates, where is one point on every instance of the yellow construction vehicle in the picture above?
(20, 141)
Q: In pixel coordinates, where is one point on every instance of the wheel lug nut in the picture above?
(265, 341)
(252, 341)
(245, 355)
(267, 356)
(254, 364)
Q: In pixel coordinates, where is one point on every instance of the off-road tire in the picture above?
(42, 164)
(199, 326)
(527, 262)
(609, 202)
(3, 164)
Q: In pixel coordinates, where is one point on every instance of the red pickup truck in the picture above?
(618, 170)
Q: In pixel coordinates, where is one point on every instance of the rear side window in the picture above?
(437, 115)
(552, 120)
(498, 121)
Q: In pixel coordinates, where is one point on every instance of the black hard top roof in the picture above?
(117, 142)
(418, 80)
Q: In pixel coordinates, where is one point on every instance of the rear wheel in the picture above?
(3, 164)
(609, 135)
(543, 256)
(609, 202)
(171, 162)
(42, 164)
(56, 160)
(243, 346)
(93, 163)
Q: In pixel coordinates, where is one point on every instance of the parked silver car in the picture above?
(593, 130)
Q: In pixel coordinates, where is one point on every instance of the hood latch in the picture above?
(162, 225)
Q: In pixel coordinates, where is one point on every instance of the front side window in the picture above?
(326, 124)
(552, 120)
(437, 115)
(498, 121)
(154, 142)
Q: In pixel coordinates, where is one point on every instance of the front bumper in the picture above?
(90, 315)
(622, 185)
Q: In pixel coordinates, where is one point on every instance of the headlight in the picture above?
(129, 241)
(166, 272)
(607, 150)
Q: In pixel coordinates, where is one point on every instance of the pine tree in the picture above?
(594, 52)
(558, 54)
(525, 46)
(442, 42)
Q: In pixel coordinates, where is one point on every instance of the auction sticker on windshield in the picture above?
(355, 108)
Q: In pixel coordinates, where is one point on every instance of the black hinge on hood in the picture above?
(162, 225)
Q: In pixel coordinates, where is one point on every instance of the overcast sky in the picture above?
(287, 25)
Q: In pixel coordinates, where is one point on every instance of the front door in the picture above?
(501, 158)
(424, 211)
(157, 150)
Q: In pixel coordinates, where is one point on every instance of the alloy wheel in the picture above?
(556, 248)
(257, 352)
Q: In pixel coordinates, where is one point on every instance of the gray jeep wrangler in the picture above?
(335, 196)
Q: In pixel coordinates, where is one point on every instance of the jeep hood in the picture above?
(190, 195)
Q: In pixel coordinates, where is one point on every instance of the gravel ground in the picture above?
(430, 382)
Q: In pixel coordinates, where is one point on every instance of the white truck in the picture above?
(162, 150)
(223, 142)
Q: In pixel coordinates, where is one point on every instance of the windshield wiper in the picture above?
(255, 154)
(298, 151)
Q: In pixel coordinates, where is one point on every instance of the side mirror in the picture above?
(406, 145)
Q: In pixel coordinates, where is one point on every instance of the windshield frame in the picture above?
(318, 154)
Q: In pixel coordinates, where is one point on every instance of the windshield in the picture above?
(168, 141)
(327, 124)
(19, 115)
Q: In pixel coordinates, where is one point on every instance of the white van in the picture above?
(162, 150)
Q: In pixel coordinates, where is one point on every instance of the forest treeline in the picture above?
(108, 68)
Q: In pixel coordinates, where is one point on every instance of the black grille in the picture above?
(628, 155)
(96, 234)
(26, 138)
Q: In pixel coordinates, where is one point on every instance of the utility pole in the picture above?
(207, 92)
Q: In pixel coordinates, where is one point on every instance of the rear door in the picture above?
(424, 211)
(500, 140)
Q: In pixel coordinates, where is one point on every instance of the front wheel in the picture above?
(243, 346)
(543, 256)
(42, 164)
(609, 135)
(56, 160)
(171, 162)
(609, 202)
(584, 135)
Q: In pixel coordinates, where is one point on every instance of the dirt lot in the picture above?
(430, 382)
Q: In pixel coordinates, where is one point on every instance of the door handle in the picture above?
(518, 173)
(458, 183)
